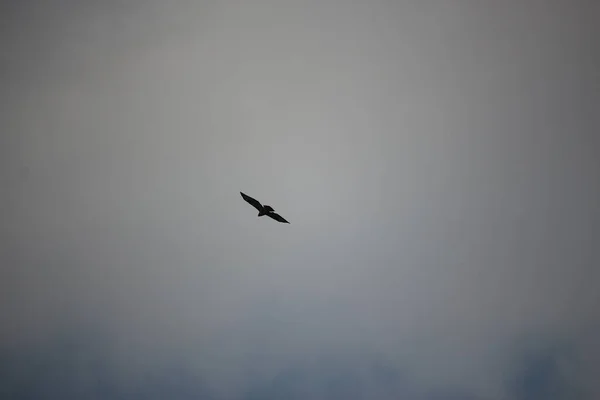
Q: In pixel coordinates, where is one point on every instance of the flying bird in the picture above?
(263, 210)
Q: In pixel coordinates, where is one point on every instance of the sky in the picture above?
(438, 161)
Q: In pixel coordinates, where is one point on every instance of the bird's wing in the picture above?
(277, 217)
(255, 203)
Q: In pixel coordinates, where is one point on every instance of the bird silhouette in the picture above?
(263, 210)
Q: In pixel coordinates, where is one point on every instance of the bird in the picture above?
(263, 209)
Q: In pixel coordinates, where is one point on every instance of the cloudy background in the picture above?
(439, 162)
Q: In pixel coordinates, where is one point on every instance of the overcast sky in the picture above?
(439, 162)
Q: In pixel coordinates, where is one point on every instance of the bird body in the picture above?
(263, 209)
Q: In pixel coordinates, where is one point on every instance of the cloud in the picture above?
(438, 165)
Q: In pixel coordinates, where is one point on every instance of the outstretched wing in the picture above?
(277, 217)
(255, 203)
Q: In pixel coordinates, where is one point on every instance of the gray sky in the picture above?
(439, 163)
